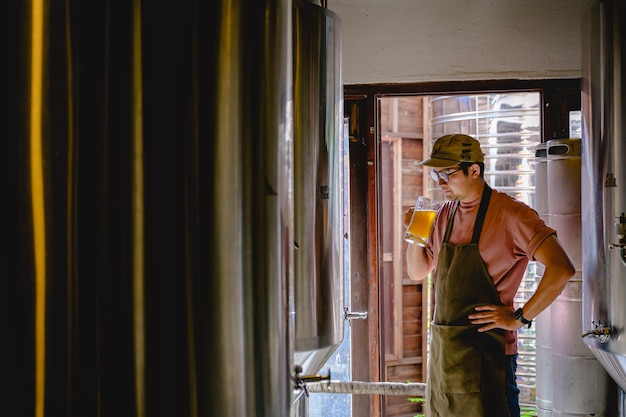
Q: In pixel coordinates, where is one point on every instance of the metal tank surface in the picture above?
(566, 367)
(152, 208)
(603, 187)
(318, 197)
(543, 322)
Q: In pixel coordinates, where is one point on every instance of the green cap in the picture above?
(449, 150)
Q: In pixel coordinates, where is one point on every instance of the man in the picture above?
(479, 247)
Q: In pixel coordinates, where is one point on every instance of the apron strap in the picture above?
(482, 210)
(450, 222)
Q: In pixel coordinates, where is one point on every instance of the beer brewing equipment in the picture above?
(573, 366)
(604, 186)
(318, 182)
(543, 322)
(150, 275)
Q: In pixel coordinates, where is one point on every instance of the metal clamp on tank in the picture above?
(620, 231)
(301, 380)
(601, 332)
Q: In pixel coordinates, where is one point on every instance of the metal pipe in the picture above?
(378, 388)
(416, 389)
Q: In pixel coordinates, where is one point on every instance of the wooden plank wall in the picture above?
(402, 121)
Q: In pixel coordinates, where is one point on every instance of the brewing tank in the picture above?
(543, 322)
(150, 207)
(318, 181)
(603, 186)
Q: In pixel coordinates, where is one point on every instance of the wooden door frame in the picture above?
(364, 281)
(559, 96)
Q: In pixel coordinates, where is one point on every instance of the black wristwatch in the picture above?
(519, 315)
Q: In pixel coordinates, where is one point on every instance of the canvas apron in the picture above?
(466, 368)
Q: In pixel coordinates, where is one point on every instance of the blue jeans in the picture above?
(511, 390)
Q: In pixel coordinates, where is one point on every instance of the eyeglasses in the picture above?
(437, 175)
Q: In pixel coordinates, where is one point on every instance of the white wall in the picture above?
(388, 41)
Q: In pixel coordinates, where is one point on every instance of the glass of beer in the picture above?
(422, 220)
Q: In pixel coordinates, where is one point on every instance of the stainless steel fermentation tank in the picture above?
(565, 366)
(544, 381)
(318, 182)
(155, 204)
(604, 186)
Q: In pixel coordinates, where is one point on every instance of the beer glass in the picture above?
(422, 220)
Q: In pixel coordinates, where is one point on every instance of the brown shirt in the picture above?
(511, 233)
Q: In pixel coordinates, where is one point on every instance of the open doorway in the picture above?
(397, 125)
(509, 129)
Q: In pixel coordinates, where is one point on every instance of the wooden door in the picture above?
(384, 182)
(363, 238)
(403, 318)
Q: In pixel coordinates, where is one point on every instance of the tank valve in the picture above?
(601, 332)
(620, 232)
(354, 315)
(301, 380)
(620, 226)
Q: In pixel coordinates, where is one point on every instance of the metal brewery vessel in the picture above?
(603, 182)
(318, 186)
